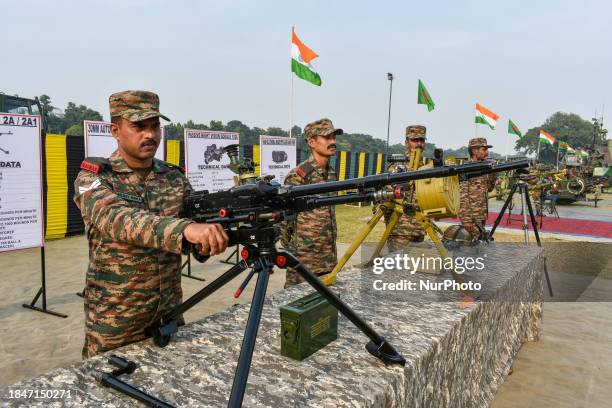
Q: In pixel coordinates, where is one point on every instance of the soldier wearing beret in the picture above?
(408, 229)
(473, 193)
(312, 235)
(131, 204)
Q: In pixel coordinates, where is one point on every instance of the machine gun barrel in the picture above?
(379, 180)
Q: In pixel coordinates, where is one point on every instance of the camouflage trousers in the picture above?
(112, 320)
(407, 230)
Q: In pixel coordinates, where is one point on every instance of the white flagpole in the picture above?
(291, 88)
(558, 145)
(538, 152)
(507, 146)
(291, 107)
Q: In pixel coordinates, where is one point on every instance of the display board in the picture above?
(99, 141)
(277, 156)
(207, 166)
(21, 207)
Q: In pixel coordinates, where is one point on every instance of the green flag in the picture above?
(513, 129)
(562, 145)
(424, 98)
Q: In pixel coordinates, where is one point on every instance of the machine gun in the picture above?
(251, 212)
(436, 197)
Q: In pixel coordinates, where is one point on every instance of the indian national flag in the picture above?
(562, 145)
(570, 150)
(485, 116)
(547, 138)
(301, 56)
(583, 153)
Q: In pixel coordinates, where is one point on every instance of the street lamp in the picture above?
(390, 78)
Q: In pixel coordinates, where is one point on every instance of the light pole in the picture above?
(390, 78)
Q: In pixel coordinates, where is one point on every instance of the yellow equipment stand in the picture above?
(437, 198)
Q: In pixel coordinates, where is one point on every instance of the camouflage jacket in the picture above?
(473, 199)
(312, 235)
(407, 229)
(135, 241)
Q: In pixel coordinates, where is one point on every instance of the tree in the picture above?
(75, 130)
(566, 127)
(75, 115)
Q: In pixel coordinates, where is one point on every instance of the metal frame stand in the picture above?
(42, 291)
(260, 254)
(525, 204)
(188, 274)
(234, 253)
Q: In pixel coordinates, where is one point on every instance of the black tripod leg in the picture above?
(250, 335)
(378, 346)
(503, 210)
(534, 224)
(208, 289)
(163, 329)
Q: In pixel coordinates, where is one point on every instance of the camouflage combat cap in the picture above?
(478, 142)
(322, 127)
(416, 132)
(135, 105)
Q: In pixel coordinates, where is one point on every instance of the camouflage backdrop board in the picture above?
(456, 357)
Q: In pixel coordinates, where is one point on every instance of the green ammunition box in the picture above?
(307, 325)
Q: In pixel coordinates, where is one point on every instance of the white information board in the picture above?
(277, 156)
(21, 209)
(99, 141)
(207, 166)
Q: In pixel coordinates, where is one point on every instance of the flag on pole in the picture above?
(301, 56)
(513, 129)
(423, 97)
(570, 150)
(547, 138)
(485, 116)
(562, 145)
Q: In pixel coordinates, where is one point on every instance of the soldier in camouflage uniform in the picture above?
(131, 204)
(408, 229)
(312, 235)
(473, 193)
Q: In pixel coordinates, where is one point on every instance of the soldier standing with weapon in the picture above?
(473, 193)
(311, 236)
(408, 229)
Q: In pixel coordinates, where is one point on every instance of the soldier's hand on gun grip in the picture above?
(211, 237)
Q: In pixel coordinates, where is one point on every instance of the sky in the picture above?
(226, 60)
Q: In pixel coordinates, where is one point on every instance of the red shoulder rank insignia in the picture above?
(301, 172)
(94, 168)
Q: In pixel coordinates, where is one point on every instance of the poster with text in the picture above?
(206, 163)
(99, 141)
(21, 210)
(276, 156)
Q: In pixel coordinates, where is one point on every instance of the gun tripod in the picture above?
(525, 204)
(260, 254)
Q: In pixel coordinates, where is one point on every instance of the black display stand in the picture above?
(525, 203)
(42, 291)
